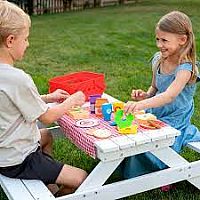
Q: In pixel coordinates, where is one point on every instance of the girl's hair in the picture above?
(179, 23)
(12, 20)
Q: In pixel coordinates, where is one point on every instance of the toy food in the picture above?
(91, 131)
(148, 121)
(78, 113)
(118, 105)
(98, 105)
(149, 124)
(128, 130)
(124, 123)
(146, 116)
(140, 112)
(154, 123)
(121, 121)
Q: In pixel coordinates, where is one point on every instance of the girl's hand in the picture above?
(131, 107)
(76, 99)
(58, 96)
(138, 95)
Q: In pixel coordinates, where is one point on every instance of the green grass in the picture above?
(116, 41)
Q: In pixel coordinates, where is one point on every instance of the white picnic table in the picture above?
(111, 153)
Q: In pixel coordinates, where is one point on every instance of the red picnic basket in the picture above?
(88, 82)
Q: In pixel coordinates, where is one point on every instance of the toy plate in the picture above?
(87, 123)
(102, 133)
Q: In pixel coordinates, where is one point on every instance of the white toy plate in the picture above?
(102, 133)
(87, 123)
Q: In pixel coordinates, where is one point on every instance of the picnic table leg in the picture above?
(99, 174)
(131, 186)
(179, 170)
(173, 159)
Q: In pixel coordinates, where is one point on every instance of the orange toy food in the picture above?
(148, 121)
(98, 105)
(154, 123)
(150, 124)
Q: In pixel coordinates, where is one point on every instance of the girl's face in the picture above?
(169, 44)
(19, 45)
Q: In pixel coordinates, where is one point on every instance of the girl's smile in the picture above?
(168, 43)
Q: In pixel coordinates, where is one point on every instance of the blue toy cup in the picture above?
(106, 111)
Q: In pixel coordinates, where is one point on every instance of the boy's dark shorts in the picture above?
(38, 165)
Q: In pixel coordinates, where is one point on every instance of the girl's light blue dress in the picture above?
(177, 114)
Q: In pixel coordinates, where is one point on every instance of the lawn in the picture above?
(117, 41)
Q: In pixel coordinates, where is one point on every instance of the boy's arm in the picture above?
(54, 113)
(45, 98)
(56, 96)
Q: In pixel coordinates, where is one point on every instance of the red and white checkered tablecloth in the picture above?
(81, 139)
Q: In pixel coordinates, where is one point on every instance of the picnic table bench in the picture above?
(19, 189)
(111, 153)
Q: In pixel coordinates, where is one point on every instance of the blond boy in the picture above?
(23, 149)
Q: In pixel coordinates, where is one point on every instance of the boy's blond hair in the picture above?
(12, 20)
(179, 23)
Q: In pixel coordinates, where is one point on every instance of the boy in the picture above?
(21, 105)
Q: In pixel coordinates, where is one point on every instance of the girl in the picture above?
(23, 150)
(170, 96)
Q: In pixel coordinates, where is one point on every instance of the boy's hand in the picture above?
(138, 95)
(58, 96)
(76, 99)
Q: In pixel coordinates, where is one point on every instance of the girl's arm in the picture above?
(182, 78)
(152, 89)
(138, 95)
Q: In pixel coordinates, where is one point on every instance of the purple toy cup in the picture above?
(92, 99)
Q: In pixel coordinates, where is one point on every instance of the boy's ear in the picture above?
(9, 41)
(183, 39)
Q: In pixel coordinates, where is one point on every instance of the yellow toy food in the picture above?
(78, 113)
(128, 130)
(146, 116)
